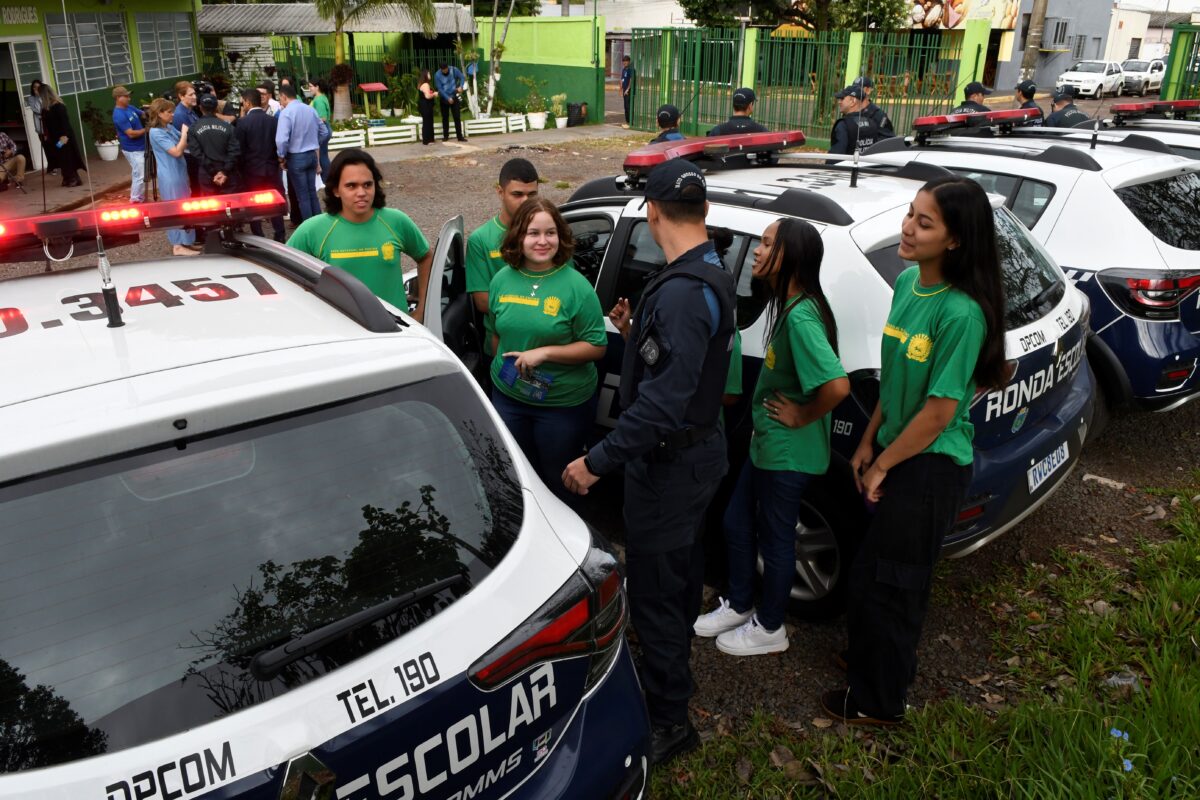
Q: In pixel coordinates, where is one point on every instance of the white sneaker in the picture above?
(752, 639)
(722, 618)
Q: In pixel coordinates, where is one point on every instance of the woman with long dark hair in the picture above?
(547, 335)
(61, 136)
(426, 94)
(801, 381)
(944, 338)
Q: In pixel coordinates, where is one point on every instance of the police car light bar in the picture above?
(639, 163)
(1178, 108)
(123, 223)
(1004, 120)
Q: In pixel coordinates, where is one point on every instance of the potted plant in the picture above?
(535, 104)
(558, 104)
(103, 132)
(389, 64)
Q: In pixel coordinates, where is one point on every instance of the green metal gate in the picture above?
(694, 69)
(796, 79)
(915, 72)
(1183, 65)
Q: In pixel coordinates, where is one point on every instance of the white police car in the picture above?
(266, 539)
(1090, 78)
(1028, 435)
(1118, 213)
(1175, 123)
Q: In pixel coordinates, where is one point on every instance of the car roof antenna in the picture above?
(107, 289)
(854, 171)
(1095, 133)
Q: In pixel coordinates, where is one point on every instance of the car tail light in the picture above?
(585, 617)
(1150, 295)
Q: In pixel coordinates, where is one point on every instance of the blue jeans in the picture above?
(137, 168)
(761, 518)
(324, 159)
(550, 436)
(302, 173)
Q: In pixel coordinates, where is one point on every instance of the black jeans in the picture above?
(665, 503)
(891, 578)
(259, 182)
(447, 110)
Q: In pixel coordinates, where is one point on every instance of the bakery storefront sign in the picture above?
(954, 14)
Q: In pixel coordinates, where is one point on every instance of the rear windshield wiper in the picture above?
(1043, 297)
(269, 663)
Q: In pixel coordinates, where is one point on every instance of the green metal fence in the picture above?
(367, 61)
(1183, 66)
(796, 78)
(695, 69)
(915, 72)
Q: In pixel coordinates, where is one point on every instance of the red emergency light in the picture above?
(122, 224)
(714, 148)
(1004, 119)
(1178, 108)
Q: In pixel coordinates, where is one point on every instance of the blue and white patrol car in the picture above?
(1118, 213)
(1028, 435)
(266, 540)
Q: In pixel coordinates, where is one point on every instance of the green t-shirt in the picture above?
(561, 310)
(370, 251)
(483, 262)
(931, 342)
(733, 378)
(320, 104)
(799, 360)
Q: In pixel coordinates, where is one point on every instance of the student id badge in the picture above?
(532, 388)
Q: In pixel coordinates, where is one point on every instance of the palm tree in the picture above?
(341, 12)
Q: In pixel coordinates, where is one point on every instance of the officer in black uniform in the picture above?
(874, 112)
(855, 130)
(1025, 92)
(669, 440)
(973, 104)
(1065, 114)
(668, 125)
(740, 122)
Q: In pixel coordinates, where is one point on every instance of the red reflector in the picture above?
(1177, 374)
(949, 121)
(642, 160)
(970, 513)
(551, 640)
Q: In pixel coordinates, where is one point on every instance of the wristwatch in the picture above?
(587, 462)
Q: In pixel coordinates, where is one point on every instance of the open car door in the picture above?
(449, 312)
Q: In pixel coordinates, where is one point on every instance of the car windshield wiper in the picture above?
(269, 663)
(1042, 297)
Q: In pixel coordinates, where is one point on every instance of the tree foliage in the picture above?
(817, 15)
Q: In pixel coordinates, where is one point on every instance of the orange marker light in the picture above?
(120, 214)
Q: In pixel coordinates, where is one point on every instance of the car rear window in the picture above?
(1032, 286)
(135, 592)
(1168, 207)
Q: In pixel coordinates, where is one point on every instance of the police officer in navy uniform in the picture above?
(669, 440)
(872, 111)
(668, 125)
(855, 130)
(1025, 92)
(740, 122)
(1065, 114)
(973, 104)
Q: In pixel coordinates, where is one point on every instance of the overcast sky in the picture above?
(1180, 6)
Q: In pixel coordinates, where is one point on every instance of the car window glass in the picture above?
(1168, 208)
(591, 240)
(148, 583)
(643, 257)
(992, 182)
(1031, 200)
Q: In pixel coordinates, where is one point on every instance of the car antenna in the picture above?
(107, 289)
(854, 171)
(1095, 133)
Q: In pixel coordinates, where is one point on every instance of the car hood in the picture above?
(1081, 76)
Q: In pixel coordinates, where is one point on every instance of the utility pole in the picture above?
(1033, 40)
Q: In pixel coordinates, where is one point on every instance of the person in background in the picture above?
(628, 79)
(548, 332)
(1065, 114)
(973, 95)
(426, 94)
(740, 122)
(168, 146)
(364, 237)
(213, 142)
(260, 164)
(296, 142)
(61, 136)
(185, 114)
(944, 338)
(12, 163)
(320, 104)
(34, 101)
(269, 103)
(801, 381)
(131, 134)
(872, 111)
(854, 131)
(668, 125)
(448, 81)
(1025, 92)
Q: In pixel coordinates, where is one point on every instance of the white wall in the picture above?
(622, 16)
(1123, 28)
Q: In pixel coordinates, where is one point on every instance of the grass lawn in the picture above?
(1100, 662)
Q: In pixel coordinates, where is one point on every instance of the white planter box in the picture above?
(108, 150)
(395, 134)
(560, 122)
(343, 139)
(537, 120)
(516, 122)
(478, 127)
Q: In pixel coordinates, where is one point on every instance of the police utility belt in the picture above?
(669, 447)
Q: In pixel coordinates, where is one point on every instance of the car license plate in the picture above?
(1042, 470)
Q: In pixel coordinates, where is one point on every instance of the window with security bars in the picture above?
(166, 43)
(89, 51)
(1055, 33)
(1077, 50)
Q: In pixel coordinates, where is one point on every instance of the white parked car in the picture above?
(1143, 76)
(266, 538)
(1093, 79)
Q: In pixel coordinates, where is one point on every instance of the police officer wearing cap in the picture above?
(1025, 92)
(668, 125)
(874, 112)
(855, 131)
(1065, 114)
(740, 122)
(669, 440)
(973, 104)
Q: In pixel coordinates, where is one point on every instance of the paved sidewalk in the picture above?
(110, 179)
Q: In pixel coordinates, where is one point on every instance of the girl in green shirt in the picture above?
(548, 332)
(320, 104)
(800, 383)
(944, 337)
